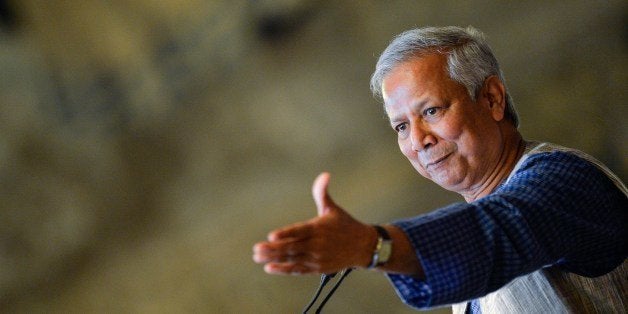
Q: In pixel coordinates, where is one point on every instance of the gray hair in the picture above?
(470, 60)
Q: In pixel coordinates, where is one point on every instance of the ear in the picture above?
(494, 94)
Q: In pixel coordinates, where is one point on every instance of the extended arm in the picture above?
(556, 210)
(330, 242)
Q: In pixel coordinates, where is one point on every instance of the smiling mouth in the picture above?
(437, 161)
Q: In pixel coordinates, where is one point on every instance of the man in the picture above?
(537, 217)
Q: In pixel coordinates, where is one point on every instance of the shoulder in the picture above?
(565, 171)
(552, 158)
(552, 163)
(555, 160)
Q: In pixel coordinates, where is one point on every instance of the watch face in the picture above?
(384, 252)
(383, 249)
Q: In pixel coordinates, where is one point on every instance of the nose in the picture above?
(421, 137)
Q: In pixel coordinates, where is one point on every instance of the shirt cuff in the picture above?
(412, 291)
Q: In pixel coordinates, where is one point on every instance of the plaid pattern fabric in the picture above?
(473, 307)
(556, 209)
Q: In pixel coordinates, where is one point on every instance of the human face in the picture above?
(446, 136)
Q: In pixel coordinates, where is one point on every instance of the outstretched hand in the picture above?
(327, 243)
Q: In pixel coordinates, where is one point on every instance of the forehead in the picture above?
(420, 76)
(432, 63)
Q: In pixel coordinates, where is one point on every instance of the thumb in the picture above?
(319, 192)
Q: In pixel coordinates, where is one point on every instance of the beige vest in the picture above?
(551, 290)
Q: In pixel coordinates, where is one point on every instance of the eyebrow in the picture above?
(419, 105)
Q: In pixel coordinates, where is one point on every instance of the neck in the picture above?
(514, 146)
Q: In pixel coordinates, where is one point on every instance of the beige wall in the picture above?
(146, 145)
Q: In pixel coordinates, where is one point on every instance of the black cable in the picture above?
(333, 289)
(325, 278)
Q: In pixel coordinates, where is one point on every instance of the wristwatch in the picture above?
(382, 251)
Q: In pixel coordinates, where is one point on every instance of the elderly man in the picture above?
(538, 219)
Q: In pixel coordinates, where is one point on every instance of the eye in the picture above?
(430, 111)
(401, 127)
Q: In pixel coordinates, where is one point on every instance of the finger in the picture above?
(296, 231)
(276, 257)
(289, 269)
(280, 252)
(261, 252)
(319, 192)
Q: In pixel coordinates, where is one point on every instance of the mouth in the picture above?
(436, 162)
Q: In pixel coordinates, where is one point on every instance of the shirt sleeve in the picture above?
(558, 209)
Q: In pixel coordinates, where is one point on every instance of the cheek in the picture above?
(406, 149)
(451, 130)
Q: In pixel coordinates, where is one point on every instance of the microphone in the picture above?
(333, 289)
(325, 278)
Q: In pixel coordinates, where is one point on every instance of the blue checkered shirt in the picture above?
(556, 209)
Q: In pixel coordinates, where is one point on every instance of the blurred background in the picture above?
(146, 145)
